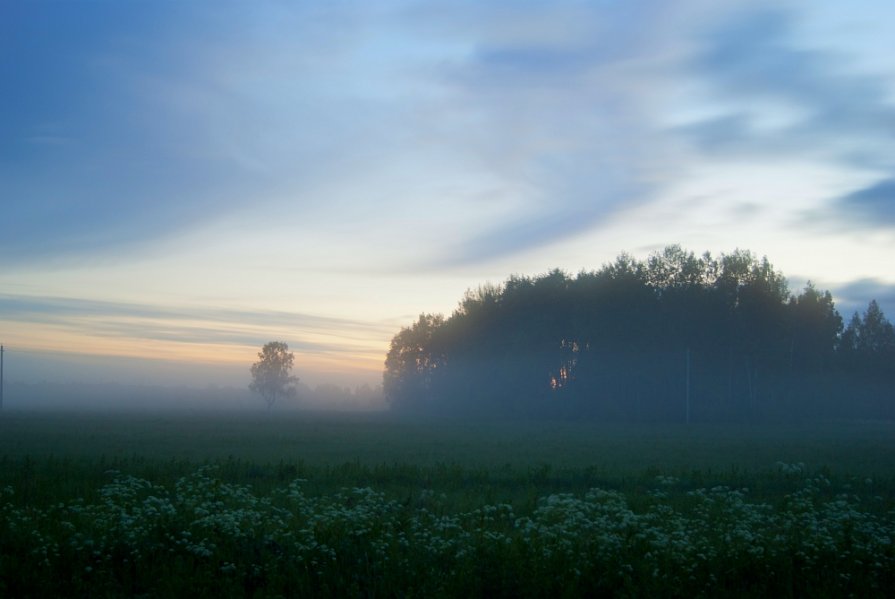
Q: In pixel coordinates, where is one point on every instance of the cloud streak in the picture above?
(557, 93)
(854, 296)
(173, 116)
(781, 98)
(211, 326)
(873, 206)
(171, 123)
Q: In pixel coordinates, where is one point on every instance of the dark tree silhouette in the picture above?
(412, 361)
(815, 327)
(668, 338)
(869, 342)
(270, 374)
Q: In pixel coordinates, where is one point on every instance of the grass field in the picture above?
(239, 504)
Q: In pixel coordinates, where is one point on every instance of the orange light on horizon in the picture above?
(354, 358)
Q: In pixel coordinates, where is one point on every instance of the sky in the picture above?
(181, 182)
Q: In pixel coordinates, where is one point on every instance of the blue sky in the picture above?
(184, 181)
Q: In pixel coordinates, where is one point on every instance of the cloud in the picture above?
(560, 98)
(206, 325)
(174, 116)
(854, 296)
(121, 177)
(781, 98)
(184, 114)
(719, 133)
(872, 206)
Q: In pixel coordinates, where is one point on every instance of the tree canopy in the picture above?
(636, 340)
(270, 374)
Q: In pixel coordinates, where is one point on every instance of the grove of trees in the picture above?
(676, 337)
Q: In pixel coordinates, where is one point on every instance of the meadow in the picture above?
(301, 504)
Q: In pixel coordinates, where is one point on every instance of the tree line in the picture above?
(676, 337)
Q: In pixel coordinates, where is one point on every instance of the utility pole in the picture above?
(688, 385)
(1, 377)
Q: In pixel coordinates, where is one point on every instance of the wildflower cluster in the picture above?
(205, 536)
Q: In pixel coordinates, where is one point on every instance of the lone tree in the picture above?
(270, 374)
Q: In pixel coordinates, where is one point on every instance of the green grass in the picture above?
(865, 448)
(162, 504)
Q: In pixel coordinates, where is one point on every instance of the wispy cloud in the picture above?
(191, 325)
(559, 99)
(873, 206)
(183, 114)
(781, 98)
(173, 115)
(854, 296)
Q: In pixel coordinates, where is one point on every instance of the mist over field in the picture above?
(447, 299)
(545, 439)
(122, 398)
(681, 425)
(678, 337)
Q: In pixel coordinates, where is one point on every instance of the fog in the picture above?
(27, 366)
(181, 398)
(32, 366)
(676, 338)
(56, 380)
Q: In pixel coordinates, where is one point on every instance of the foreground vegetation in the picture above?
(133, 505)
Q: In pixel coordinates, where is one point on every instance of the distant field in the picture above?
(865, 448)
(300, 504)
